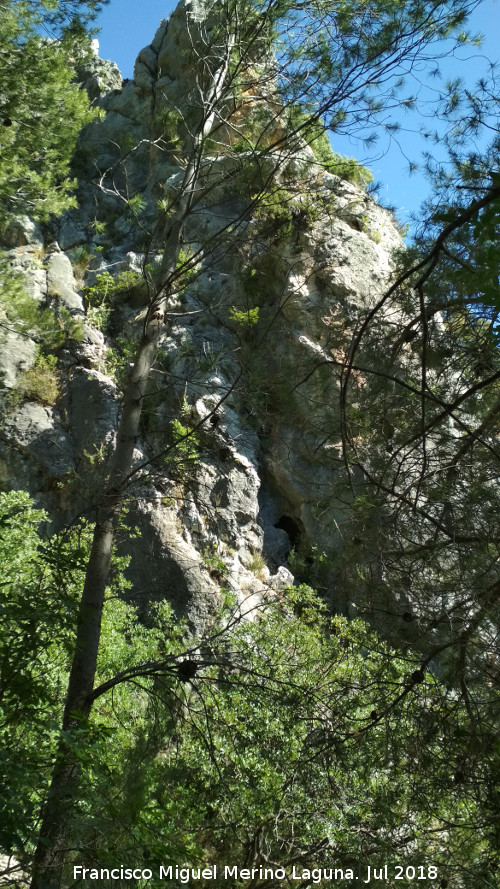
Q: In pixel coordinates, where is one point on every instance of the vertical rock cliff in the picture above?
(239, 479)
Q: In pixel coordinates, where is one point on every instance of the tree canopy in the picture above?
(42, 109)
(295, 739)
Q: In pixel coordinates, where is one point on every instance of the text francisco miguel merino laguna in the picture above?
(315, 875)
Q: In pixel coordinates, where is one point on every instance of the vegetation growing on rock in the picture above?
(289, 384)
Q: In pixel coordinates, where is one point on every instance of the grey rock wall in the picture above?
(265, 476)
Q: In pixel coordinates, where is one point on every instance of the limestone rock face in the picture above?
(61, 283)
(21, 231)
(255, 490)
(35, 451)
(99, 76)
(18, 354)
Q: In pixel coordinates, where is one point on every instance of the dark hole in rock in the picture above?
(290, 527)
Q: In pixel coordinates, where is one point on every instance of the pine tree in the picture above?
(41, 109)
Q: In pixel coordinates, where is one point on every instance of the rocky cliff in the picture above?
(238, 479)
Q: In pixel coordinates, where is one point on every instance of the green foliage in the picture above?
(128, 281)
(19, 312)
(43, 112)
(210, 360)
(309, 563)
(280, 212)
(299, 733)
(275, 211)
(420, 436)
(185, 269)
(346, 167)
(136, 203)
(106, 292)
(119, 358)
(172, 127)
(98, 300)
(98, 227)
(38, 383)
(257, 563)
(373, 234)
(40, 587)
(36, 620)
(183, 456)
(80, 260)
(472, 266)
(41, 583)
(316, 136)
(62, 15)
(244, 317)
(298, 563)
(293, 737)
(288, 735)
(214, 562)
(98, 456)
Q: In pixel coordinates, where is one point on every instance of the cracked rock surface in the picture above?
(261, 479)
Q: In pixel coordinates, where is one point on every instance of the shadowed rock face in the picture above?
(263, 473)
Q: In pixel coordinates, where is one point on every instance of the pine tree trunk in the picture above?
(55, 829)
(64, 788)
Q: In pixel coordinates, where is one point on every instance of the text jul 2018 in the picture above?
(314, 875)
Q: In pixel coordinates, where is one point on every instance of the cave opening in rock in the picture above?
(289, 526)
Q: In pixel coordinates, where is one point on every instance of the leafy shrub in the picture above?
(316, 136)
(107, 290)
(346, 167)
(98, 300)
(214, 562)
(184, 455)
(257, 563)
(245, 317)
(274, 211)
(280, 210)
(80, 261)
(38, 383)
(118, 360)
(41, 583)
(171, 125)
(185, 267)
(20, 312)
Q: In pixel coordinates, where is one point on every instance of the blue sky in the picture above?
(127, 26)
